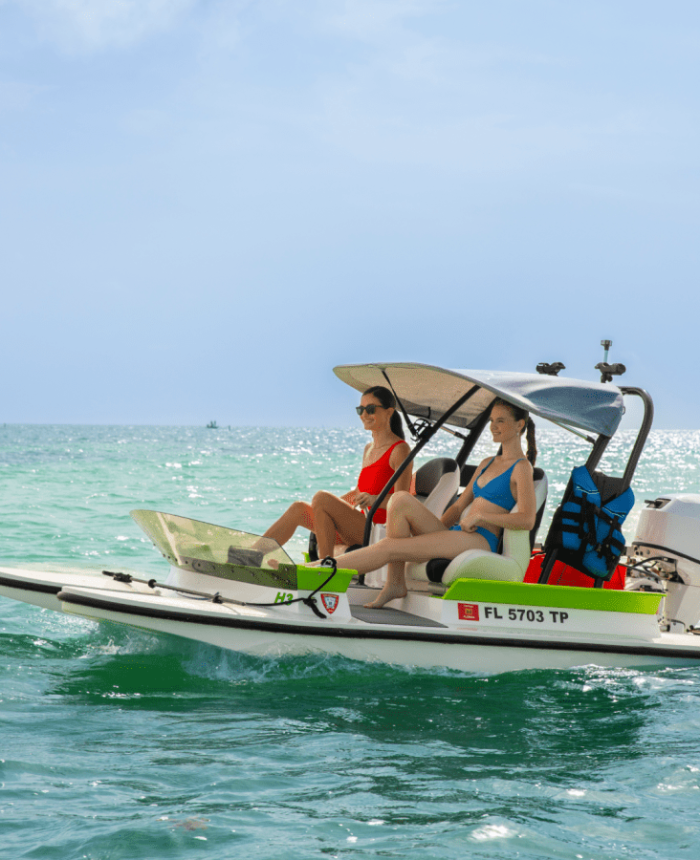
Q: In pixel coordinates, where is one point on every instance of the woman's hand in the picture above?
(471, 522)
(365, 500)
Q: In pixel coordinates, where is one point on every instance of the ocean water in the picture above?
(120, 745)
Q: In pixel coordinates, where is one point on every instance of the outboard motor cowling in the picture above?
(669, 533)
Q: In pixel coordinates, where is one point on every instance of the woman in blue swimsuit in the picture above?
(414, 534)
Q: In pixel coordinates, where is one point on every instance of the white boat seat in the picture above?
(437, 482)
(509, 564)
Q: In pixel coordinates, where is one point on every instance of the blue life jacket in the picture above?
(590, 530)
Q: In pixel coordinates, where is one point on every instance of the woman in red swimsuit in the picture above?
(342, 520)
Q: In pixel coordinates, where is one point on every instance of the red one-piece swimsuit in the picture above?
(373, 479)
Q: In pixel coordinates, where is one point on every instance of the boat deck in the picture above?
(391, 616)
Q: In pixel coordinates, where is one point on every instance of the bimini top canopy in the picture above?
(428, 392)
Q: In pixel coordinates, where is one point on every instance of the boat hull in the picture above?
(266, 634)
(418, 631)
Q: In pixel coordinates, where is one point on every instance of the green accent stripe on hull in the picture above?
(309, 579)
(559, 596)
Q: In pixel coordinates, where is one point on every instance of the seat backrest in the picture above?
(437, 481)
(541, 490)
(518, 544)
(466, 473)
(428, 476)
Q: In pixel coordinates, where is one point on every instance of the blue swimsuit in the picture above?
(497, 491)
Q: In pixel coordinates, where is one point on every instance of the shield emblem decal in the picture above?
(330, 602)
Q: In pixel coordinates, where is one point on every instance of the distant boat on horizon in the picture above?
(212, 425)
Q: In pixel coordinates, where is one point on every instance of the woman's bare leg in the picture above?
(332, 514)
(297, 514)
(406, 516)
(444, 544)
(400, 513)
(432, 541)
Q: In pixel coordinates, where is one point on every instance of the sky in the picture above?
(206, 205)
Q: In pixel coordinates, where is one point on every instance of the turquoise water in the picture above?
(118, 744)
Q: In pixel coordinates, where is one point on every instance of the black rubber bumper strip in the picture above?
(23, 585)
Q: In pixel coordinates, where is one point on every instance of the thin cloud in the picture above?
(18, 95)
(89, 25)
(368, 19)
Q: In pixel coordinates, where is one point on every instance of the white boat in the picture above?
(475, 613)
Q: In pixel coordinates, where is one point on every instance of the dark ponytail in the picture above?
(396, 425)
(531, 441)
(529, 428)
(388, 401)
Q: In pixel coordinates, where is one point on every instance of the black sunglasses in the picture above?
(370, 409)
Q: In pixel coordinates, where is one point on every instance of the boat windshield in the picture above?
(207, 548)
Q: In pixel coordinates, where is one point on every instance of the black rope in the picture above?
(310, 601)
